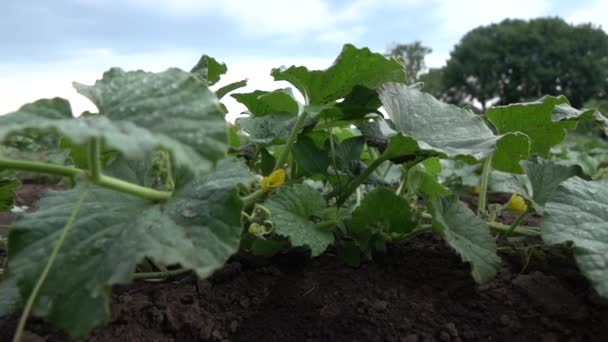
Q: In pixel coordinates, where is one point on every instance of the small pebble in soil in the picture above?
(234, 325)
(451, 329)
(505, 320)
(411, 338)
(380, 305)
(444, 336)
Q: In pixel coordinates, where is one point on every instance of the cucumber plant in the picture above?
(163, 185)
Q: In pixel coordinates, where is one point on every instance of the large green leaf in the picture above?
(447, 129)
(544, 177)
(292, 210)
(535, 119)
(138, 112)
(578, 212)
(347, 151)
(467, 234)
(353, 67)
(268, 129)
(422, 178)
(199, 228)
(310, 159)
(261, 102)
(382, 212)
(209, 69)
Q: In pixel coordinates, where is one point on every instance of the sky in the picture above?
(45, 45)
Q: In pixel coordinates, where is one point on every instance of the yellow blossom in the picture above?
(476, 189)
(517, 204)
(274, 180)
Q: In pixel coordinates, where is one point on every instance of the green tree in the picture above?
(517, 60)
(433, 82)
(411, 56)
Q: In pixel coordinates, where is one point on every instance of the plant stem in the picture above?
(352, 186)
(516, 222)
(72, 172)
(57, 170)
(291, 140)
(252, 198)
(94, 157)
(483, 186)
(326, 224)
(521, 230)
(133, 189)
(158, 275)
(45, 272)
(501, 227)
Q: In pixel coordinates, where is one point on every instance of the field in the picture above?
(372, 211)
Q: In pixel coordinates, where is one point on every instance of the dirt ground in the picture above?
(418, 291)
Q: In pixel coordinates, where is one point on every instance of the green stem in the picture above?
(291, 140)
(419, 230)
(483, 186)
(403, 185)
(57, 170)
(323, 225)
(133, 189)
(94, 158)
(516, 223)
(45, 272)
(520, 230)
(252, 198)
(159, 275)
(352, 186)
(72, 172)
(501, 227)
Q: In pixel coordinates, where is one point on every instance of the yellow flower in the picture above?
(476, 189)
(517, 204)
(274, 180)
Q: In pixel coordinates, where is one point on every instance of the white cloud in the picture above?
(596, 13)
(436, 59)
(459, 17)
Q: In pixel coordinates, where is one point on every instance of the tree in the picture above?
(517, 60)
(411, 57)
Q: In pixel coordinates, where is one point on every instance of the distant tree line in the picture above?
(515, 61)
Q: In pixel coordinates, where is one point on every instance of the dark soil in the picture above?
(418, 291)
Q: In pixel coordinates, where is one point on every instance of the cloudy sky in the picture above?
(45, 45)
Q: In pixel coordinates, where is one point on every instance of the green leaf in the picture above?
(8, 185)
(267, 248)
(408, 149)
(199, 229)
(209, 70)
(535, 120)
(267, 162)
(139, 112)
(292, 209)
(544, 177)
(260, 103)
(422, 178)
(353, 67)
(269, 129)
(447, 129)
(348, 150)
(310, 159)
(577, 212)
(382, 212)
(223, 91)
(467, 234)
